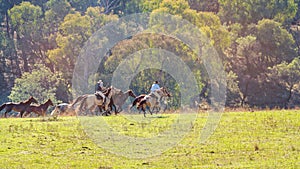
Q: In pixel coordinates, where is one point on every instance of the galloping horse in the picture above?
(151, 100)
(81, 103)
(40, 109)
(63, 108)
(18, 107)
(118, 98)
(91, 101)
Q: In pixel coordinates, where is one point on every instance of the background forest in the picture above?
(258, 41)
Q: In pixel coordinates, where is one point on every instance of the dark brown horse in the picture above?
(18, 107)
(40, 109)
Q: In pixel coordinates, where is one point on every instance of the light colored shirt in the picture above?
(100, 84)
(154, 87)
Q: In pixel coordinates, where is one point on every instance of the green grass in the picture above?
(265, 139)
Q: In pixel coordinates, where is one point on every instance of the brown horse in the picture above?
(40, 109)
(118, 98)
(151, 101)
(18, 107)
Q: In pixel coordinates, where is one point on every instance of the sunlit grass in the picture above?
(265, 139)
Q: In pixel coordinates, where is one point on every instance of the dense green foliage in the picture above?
(40, 83)
(242, 140)
(256, 40)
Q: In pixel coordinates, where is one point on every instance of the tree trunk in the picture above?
(244, 97)
(7, 22)
(289, 97)
(25, 62)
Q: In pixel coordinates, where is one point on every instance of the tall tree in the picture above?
(55, 12)
(4, 7)
(26, 22)
(287, 75)
(74, 31)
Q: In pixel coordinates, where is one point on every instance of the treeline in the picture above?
(258, 41)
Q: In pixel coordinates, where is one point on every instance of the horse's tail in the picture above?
(135, 101)
(2, 106)
(83, 104)
(142, 103)
(78, 99)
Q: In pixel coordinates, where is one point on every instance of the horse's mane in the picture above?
(28, 100)
(132, 93)
(49, 101)
(116, 89)
(25, 101)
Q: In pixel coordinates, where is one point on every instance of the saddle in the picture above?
(98, 96)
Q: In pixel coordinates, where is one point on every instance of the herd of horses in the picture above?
(107, 100)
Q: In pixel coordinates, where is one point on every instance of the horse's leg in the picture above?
(26, 113)
(117, 109)
(22, 112)
(100, 109)
(7, 110)
(120, 109)
(92, 110)
(144, 107)
(150, 111)
(43, 113)
(157, 109)
(140, 109)
(106, 113)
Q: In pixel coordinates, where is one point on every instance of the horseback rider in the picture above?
(99, 86)
(153, 89)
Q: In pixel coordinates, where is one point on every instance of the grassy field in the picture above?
(263, 139)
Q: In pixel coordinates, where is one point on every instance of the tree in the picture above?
(98, 18)
(245, 63)
(251, 11)
(4, 7)
(149, 6)
(208, 22)
(277, 44)
(55, 12)
(287, 75)
(41, 83)
(26, 21)
(250, 57)
(121, 7)
(205, 5)
(233, 93)
(74, 31)
(81, 6)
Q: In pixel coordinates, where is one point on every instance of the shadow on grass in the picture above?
(46, 119)
(157, 117)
